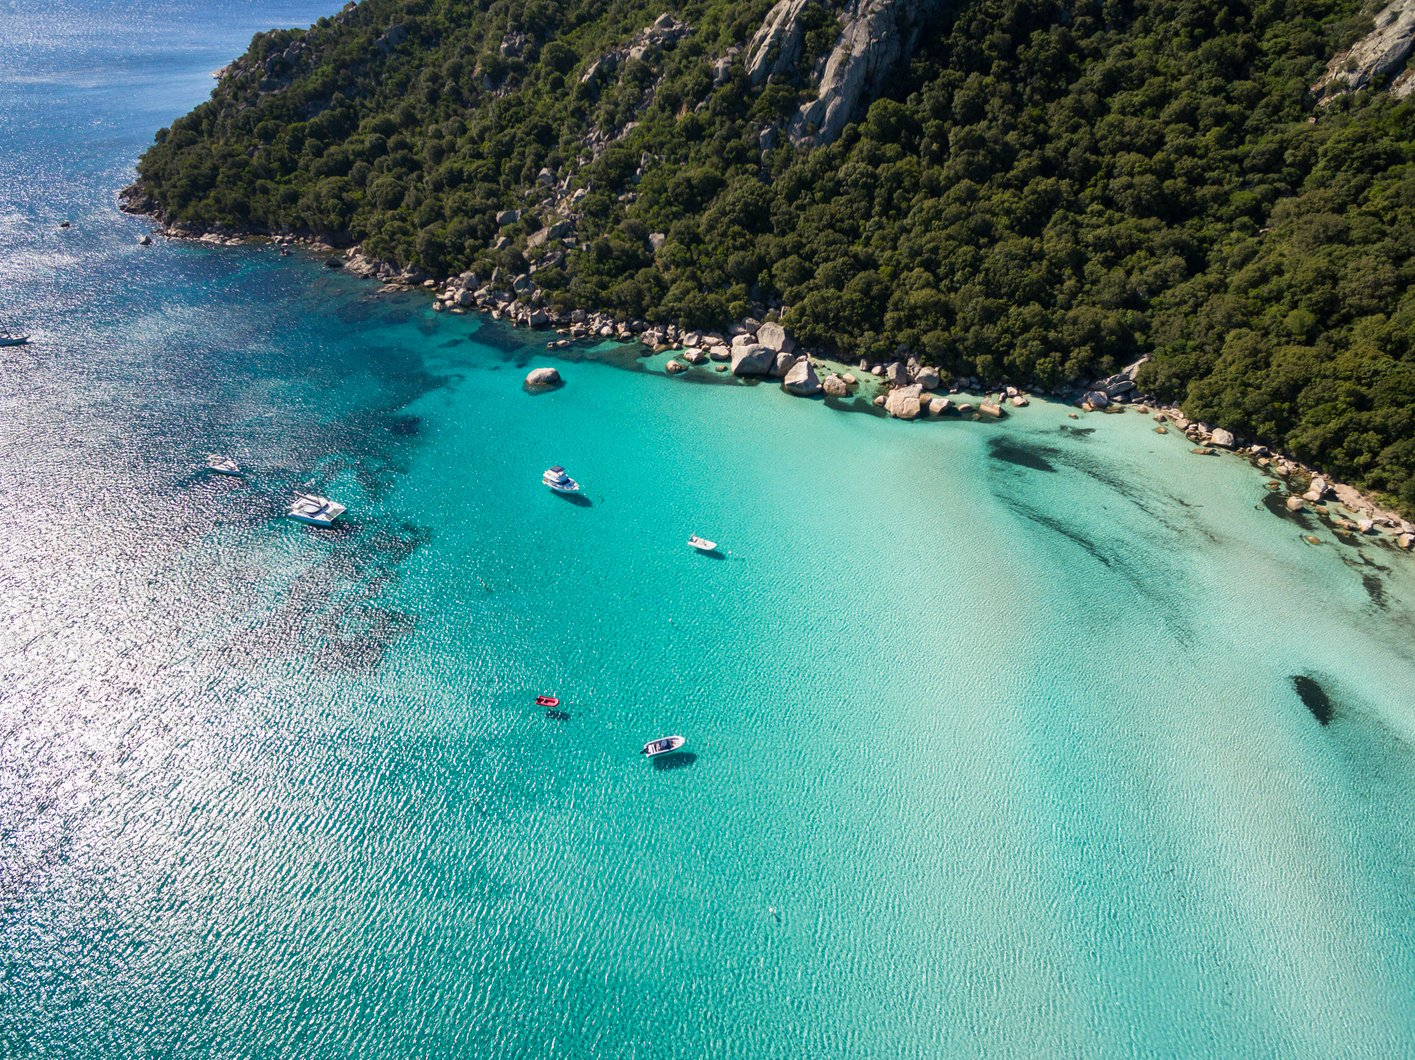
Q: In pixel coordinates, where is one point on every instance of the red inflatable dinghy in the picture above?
(547, 701)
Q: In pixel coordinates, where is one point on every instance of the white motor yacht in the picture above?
(223, 465)
(702, 544)
(664, 745)
(317, 511)
(560, 482)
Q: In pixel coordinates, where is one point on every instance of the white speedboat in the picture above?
(223, 465)
(10, 339)
(317, 511)
(560, 482)
(664, 745)
(702, 544)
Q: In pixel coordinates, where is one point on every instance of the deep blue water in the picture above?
(995, 741)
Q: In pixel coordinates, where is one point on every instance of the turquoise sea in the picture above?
(995, 742)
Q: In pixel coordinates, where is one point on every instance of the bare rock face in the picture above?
(876, 37)
(776, 47)
(1382, 52)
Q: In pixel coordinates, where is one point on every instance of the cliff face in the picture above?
(876, 38)
(1383, 52)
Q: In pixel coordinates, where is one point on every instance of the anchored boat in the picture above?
(223, 465)
(664, 745)
(547, 701)
(317, 511)
(560, 482)
(8, 338)
(702, 544)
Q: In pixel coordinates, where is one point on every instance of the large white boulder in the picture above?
(802, 379)
(775, 336)
(1222, 438)
(903, 402)
(543, 379)
(927, 378)
(752, 359)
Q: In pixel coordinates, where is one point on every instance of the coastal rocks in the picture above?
(835, 386)
(1096, 399)
(1316, 490)
(675, 367)
(752, 359)
(896, 374)
(719, 353)
(1020, 401)
(1222, 438)
(990, 408)
(1382, 52)
(1295, 504)
(775, 337)
(693, 355)
(784, 363)
(543, 379)
(927, 378)
(939, 405)
(903, 403)
(802, 380)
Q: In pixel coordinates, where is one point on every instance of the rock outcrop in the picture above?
(876, 37)
(1383, 52)
(776, 47)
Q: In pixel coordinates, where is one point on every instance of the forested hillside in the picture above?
(1042, 191)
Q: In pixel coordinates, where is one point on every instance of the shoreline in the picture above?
(905, 390)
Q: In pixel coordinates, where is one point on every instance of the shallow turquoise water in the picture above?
(995, 746)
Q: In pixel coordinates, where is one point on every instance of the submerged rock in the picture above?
(675, 367)
(543, 379)
(1314, 697)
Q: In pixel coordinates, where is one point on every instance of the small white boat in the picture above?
(223, 465)
(702, 544)
(560, 482)
(9, 339)
(317, 511)
(664, 745)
